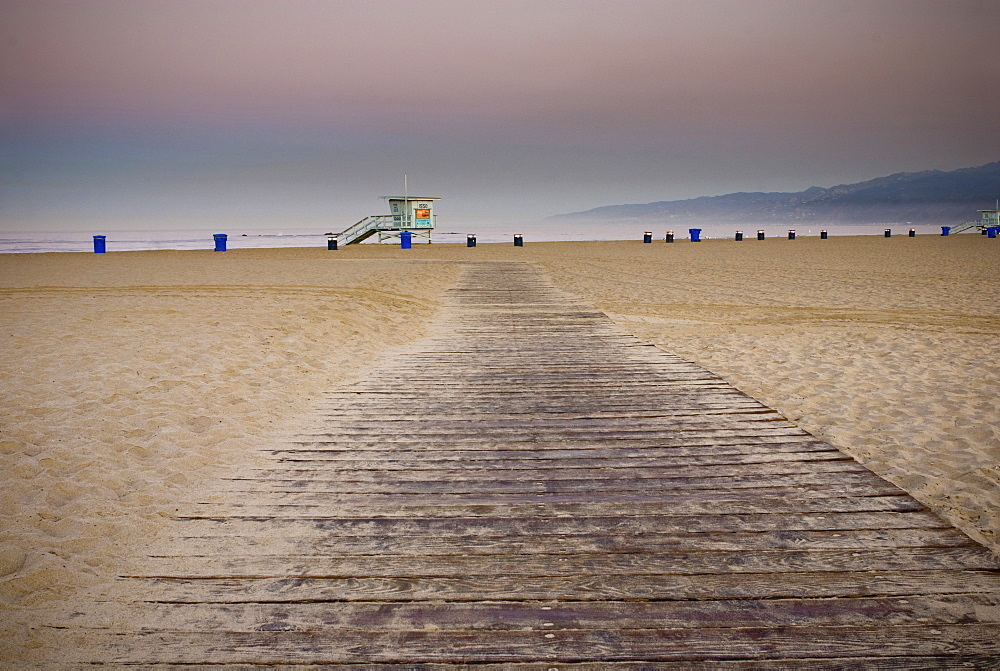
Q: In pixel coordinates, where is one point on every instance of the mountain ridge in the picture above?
(927, 196)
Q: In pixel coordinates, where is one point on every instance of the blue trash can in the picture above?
(945, 230)
(220, 241)
(405, 240)
(99, 244)
(695, 234)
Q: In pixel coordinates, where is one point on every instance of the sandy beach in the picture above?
(131, 380)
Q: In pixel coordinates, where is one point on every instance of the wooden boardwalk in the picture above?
(535, 486)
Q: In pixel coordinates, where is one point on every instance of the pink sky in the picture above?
(148, 111)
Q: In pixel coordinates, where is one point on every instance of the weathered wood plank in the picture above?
(554, 471)
(435, 507)
(610, 481)
(543, 615)
(743, 444)
(720, 418)
(515, 440)
(529, 431)
(857, 539)
(297, 462)
(448, 527)
(511, 401)
(625, 498)
(575, 565)
(679, 645)
(571, 588)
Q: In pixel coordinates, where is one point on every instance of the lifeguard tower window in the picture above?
(411, 213)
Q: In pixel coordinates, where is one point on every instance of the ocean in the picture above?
(117, 241)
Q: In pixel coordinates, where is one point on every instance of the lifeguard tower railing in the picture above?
(964, 226)
(386, 226)
(987, 219)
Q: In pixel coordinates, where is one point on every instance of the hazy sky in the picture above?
(215, 113)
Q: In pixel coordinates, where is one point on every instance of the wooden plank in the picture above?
(857, 539)
(528, 434)
(669, 587)
(624, 498)
(925, 611)
(434, 506)
(612, 481)
(512, 440)
(701, 395)
(573, 565)
(553, 472)
(297, 462)
(686, 386)
(678, 645)
(745, 444)
(462, 412)
(620, 450)
(559, 429)
(367, 419)
(448, 527)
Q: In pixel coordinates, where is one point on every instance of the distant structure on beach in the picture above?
(413, 214)
(987, 219)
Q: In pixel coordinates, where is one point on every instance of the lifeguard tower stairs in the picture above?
(987, 220)
(409, 213)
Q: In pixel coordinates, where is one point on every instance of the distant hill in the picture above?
(928, 197)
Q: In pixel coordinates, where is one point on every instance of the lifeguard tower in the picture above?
(987, 219)
(409, 213)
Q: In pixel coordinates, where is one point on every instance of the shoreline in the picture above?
(41, 242)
